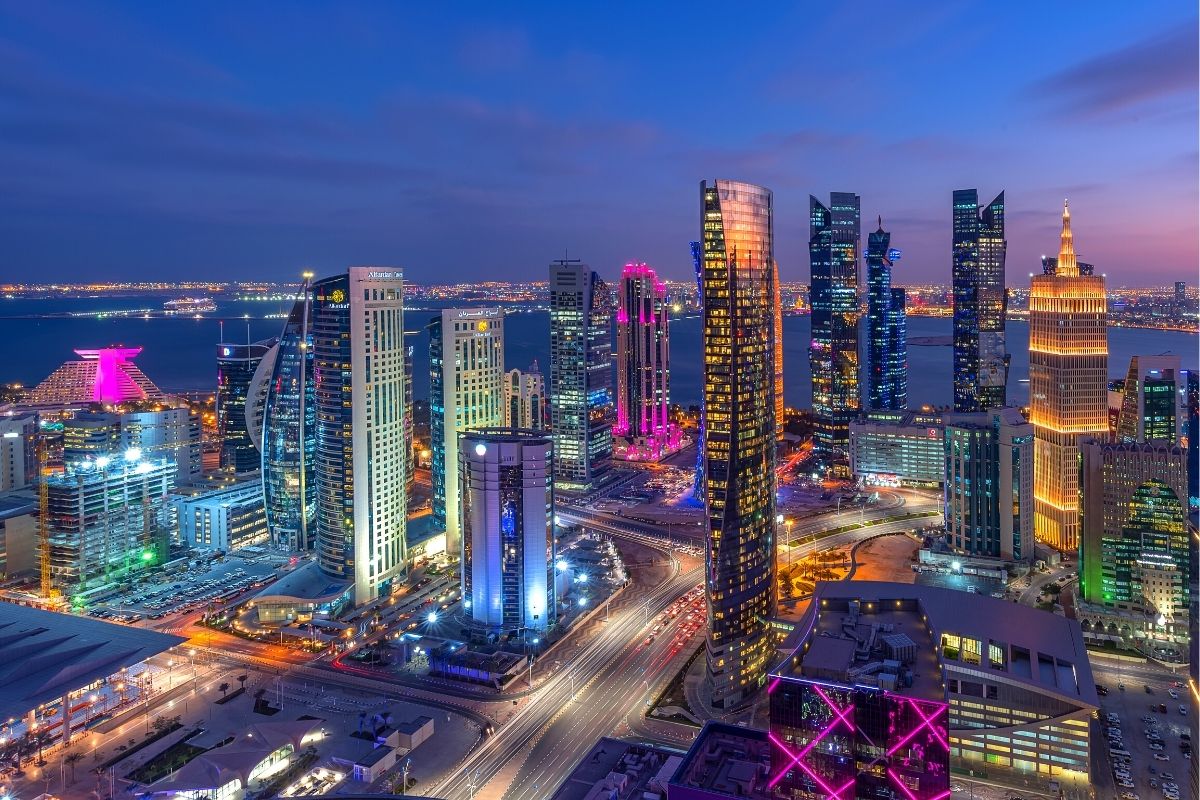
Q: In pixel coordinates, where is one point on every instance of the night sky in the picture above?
(246, 140)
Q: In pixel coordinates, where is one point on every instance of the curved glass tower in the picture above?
(289, 433)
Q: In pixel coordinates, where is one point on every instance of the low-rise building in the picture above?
(894, 686)
(725, 761)
(18, 532)
(18, 459)
(227, 518)
(618, 769)
(898, 448)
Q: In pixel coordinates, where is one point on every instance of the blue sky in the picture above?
(469, 141)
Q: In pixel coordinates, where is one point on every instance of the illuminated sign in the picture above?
(385, 276)
(481, 326)
(337, 296)
(893, 254)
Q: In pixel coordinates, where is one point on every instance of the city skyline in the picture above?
(289, 164)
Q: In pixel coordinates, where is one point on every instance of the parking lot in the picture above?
(189, 589)
(1145, 737)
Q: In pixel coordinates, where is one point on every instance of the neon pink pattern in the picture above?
(841, 715)
(926, 723)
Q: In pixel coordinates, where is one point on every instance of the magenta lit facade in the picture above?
(644, 429)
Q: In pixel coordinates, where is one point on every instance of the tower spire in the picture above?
(1067, 264)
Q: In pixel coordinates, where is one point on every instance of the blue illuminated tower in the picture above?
(887, 345)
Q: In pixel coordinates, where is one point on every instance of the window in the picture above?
(996, 655)
(972, 651)
(951, 643)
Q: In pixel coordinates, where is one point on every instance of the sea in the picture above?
(179, 353)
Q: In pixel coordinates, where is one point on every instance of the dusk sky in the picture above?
(246, 141)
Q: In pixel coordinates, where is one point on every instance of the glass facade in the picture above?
(1153, 400)
(887, 329)
(236, 364)
(739, 439)
(581, 390)
(833, 250)
(980, 303)
(643, 367)
(289, 434)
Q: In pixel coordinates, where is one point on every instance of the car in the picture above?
(1171, 794)
(1129, 796)
(1161, 757)
(1174, 694)
(1148, 689)
(1166, 778)
(1185, 736)
(1153, 784)
(1102, 691)
(1156, 746)
(1146, 718)
(1183, 710)
(1125, 784)
(1121, 686)
(1162, 708)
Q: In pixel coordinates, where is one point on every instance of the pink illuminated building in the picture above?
(644, 431)
(106, 376)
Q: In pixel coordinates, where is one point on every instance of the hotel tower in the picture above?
(643, 367)
(739, 443)
(1068, 386)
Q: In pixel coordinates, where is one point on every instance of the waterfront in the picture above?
(180, 353)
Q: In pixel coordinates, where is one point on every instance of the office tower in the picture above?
(739, 384)
(18, 456)
(110, 516)
(890, 448)
(989, 484)
(224, 519)
(1133, 546)
(171, 433)
(1193, 436)
(290, 433)
(410, 423)
(1068, 380)
(644, 425)
(581, 393)
(833, 250)
(358, 368)
(887, 329)
(236, 364)
(525, 399)
(893, 685)
(777, 308)
(101, 376)
(698, 477)
(466, 390)
(1153, 401)
(980, 303)
(1180, 292)
(508, 528)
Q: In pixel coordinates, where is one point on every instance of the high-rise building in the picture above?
(887, 328)
(889, 448)
(698, 474)
(110, 516)
(777, 307)
(171, 433)
(360, 463)
(739, 443)
(893, 686)
(106, 376)
(1068, 386)
(525, 399)
(236, 364)
(1193, 436)
(1133, 546)
(18, 457)
(1180, 291)
(980, 303)
(833, 250)
(644, 430)
(1153, 401)
(290, 433)
(508, 528)
(466, 390)
(581, 391)
(989, 484)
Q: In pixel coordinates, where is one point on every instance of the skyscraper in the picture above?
(236, 364)
(466, 390)
(358, 365)
(1153, 401)
(777, 308)
(739, 441)
(887, 328)
(525, 398)
(989, 484)
(1068, 386)
(508, 528)
(290, 431)
(1133, 547)
(581, 393)
(980, 303)
(833, 250)
(644, 425)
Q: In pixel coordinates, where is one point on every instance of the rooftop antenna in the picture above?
(221, 322)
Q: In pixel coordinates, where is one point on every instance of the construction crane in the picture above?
(48, 592)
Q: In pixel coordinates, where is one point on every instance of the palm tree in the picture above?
(71, 759)
(242, 680)
(224, 687)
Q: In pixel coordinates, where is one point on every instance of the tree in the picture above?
(71, 759)
(224, 687)
(242, 680)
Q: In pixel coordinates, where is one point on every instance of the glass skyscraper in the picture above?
(581, 390)
(643, 367)
(887, 327)
(289, 433)
(739, 438)
(833, 249)
(360, 460)
(236, 364)
(980, 303)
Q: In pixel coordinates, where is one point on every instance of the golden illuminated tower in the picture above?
(1068, 382)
